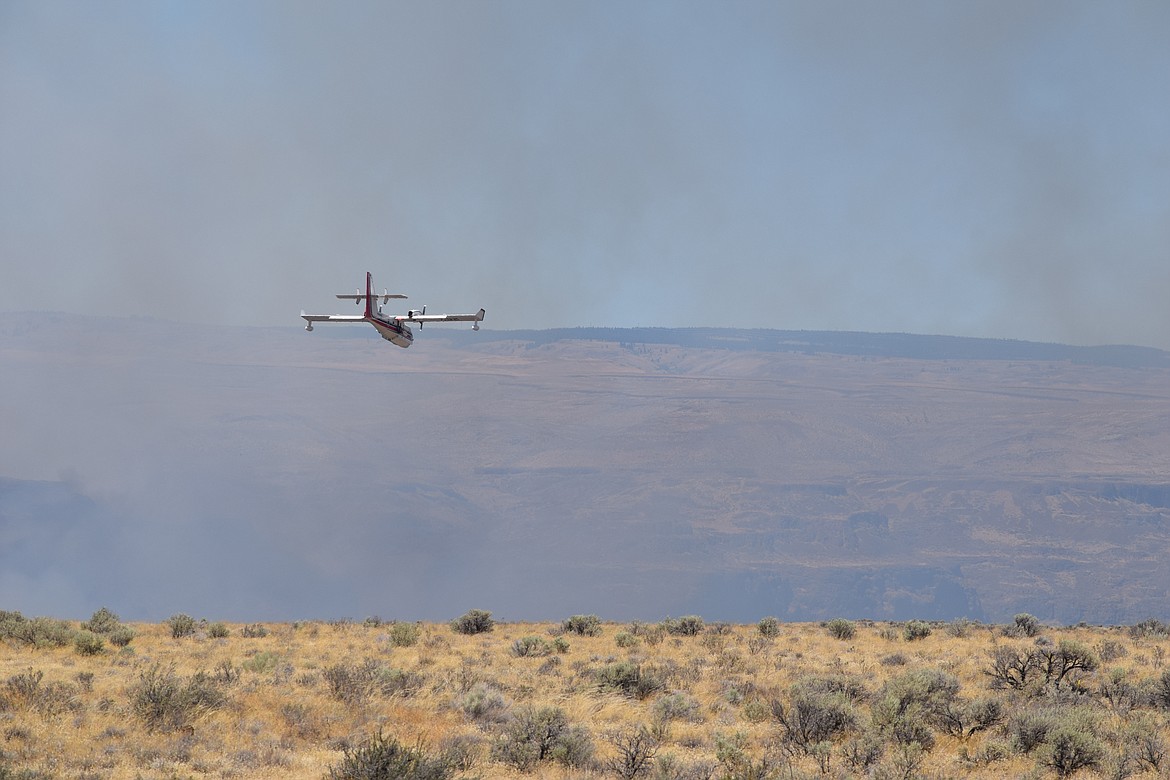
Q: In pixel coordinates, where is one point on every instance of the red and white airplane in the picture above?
(393, 326)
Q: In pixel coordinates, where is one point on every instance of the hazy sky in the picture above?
(988, 169)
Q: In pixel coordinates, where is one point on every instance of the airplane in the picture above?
(392, 327)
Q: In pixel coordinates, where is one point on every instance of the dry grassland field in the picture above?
(677, 700)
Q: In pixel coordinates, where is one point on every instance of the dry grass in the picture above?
(293, 699)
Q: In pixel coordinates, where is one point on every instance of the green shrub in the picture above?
(102, 622)
(181, 625)
(1025, 625)
(630, 679)
(812, 715)
(907, 703)
(677, 705)
(624, 639)
(1159, 691)
(218, 631)
(383, 758)
(484, 704)
(1028, 729)
(122, 636)
(960, 628)
(840, 628)
(474, 621)
(254, 631)
(88, 643)
(40, 632)
(404, 634)
(1070, 749)
(1150, 628)
(688, 625)
(261, 663)
(769, 627)
(916, 629)
(355, 683)
(545, 734)
(585, 625)
(635, 746)
(531, 646)
(165, 702)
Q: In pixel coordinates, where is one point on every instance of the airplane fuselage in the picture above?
(396, 333)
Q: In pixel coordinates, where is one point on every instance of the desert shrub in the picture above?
(862, 752)
(561, 645)
(852, 688)
(40, 632)
(677, 705)
(768, 627)
(122, 636)
(1119, 691)
(165, 702)
(635, 747)
(355, 683)
(218, 630)
(349, 683)
(226, 674)
(907, 703)
(964, 718)
(261, 663)
(812, 715)
(28, 691)
(531, 646)
(474, 621)
(1070, 748)
(916, 629)
(484, 704)
(959, 628)
(545, 734)
(383, 758)
(840, 628)
(585, 625)
(1150, 628)
(22, 688)
(1159, 691)
(1109, 650)
(1041, 666)
(668, 766)
(181, 625)
(688, 625)
(1025, 625)
(102, 622)
(404, 634)
(630, 678)
(624, 639)
(1029, 729)
(254, 631)
(88, 643)
(650, 634)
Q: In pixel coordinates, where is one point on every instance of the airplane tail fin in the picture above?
(369, 294)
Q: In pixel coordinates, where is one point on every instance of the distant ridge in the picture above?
(901, 345)
(831, 342)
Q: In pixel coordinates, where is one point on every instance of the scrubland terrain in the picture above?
(675, 700)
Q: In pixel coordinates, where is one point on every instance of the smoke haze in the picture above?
(992, 170)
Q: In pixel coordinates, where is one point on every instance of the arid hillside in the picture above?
(272, 473)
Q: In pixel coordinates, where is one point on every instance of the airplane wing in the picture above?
(421, 318)
(332, 317)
